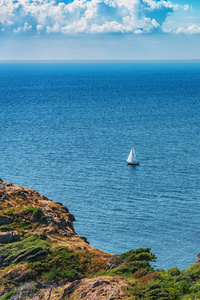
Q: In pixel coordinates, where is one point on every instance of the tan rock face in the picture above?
(31, 225)
(198, 259)
(16, 203)
(58, 220)
(99, 289)
(19, 274)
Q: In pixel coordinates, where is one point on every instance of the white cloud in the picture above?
(167, 30)
(84, 16)
(160, 4)
(24, 28)
(55, 28)
(39, 27)
(155, 23)
(107, 27)
(187, 7)
(7, 8)
(76, 27)
(192, 29)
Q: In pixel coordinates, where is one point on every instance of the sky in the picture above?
(99, 29)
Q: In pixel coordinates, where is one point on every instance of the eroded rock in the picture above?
(5, 220)
(9, 237)
(198, 259)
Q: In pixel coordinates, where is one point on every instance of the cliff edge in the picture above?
(40, 253)
(42, 257)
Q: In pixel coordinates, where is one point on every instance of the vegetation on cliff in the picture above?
(41, 257)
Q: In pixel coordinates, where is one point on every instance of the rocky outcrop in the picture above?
(5, 220)
(9, 237)
(38, 244)
(54, 217)
(198, 259)
(98, 288)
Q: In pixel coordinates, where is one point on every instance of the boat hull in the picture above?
(134, 163)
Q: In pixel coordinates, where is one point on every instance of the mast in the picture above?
(134, 155)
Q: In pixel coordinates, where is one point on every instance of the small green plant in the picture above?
(38, 215)
(174, 271)
(7, 295)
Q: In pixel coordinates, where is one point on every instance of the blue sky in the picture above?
(99, 29)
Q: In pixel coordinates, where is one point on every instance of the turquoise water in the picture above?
(67, 130)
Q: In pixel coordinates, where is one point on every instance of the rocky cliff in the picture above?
(42, 257)
(25, 210)
(40, 253)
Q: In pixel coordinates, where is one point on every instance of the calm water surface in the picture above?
(67, 129)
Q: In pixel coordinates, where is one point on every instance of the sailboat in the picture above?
(131, 160)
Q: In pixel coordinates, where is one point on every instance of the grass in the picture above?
(64, 265)
(24, 219)
(31, 248)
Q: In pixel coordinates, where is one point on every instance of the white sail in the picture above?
(131, 160)
(130, 157)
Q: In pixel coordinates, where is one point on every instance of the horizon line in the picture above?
(100, 61)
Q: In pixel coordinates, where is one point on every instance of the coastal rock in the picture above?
(52, 217)
(101, 288)
(44, 235)
(5, 220)
(8, 184)
(198, 259)
(9, 237)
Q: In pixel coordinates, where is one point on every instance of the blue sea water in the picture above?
(67, 129)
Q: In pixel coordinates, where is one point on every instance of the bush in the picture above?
(38, 215)
(63, 264)
(174, 271)
(130, 262)
(7, 295)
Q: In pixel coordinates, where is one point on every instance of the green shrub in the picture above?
(193, 271)
(184, 287)
(136, 255)
(126, 264)
(65, 276)
(174, 271)
(31, 248)
(64, 265)
(23, 218)
(38, 215)
(7, 295)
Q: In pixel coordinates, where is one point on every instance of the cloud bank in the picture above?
(88, 16)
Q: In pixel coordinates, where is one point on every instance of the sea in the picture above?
(66, 130)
